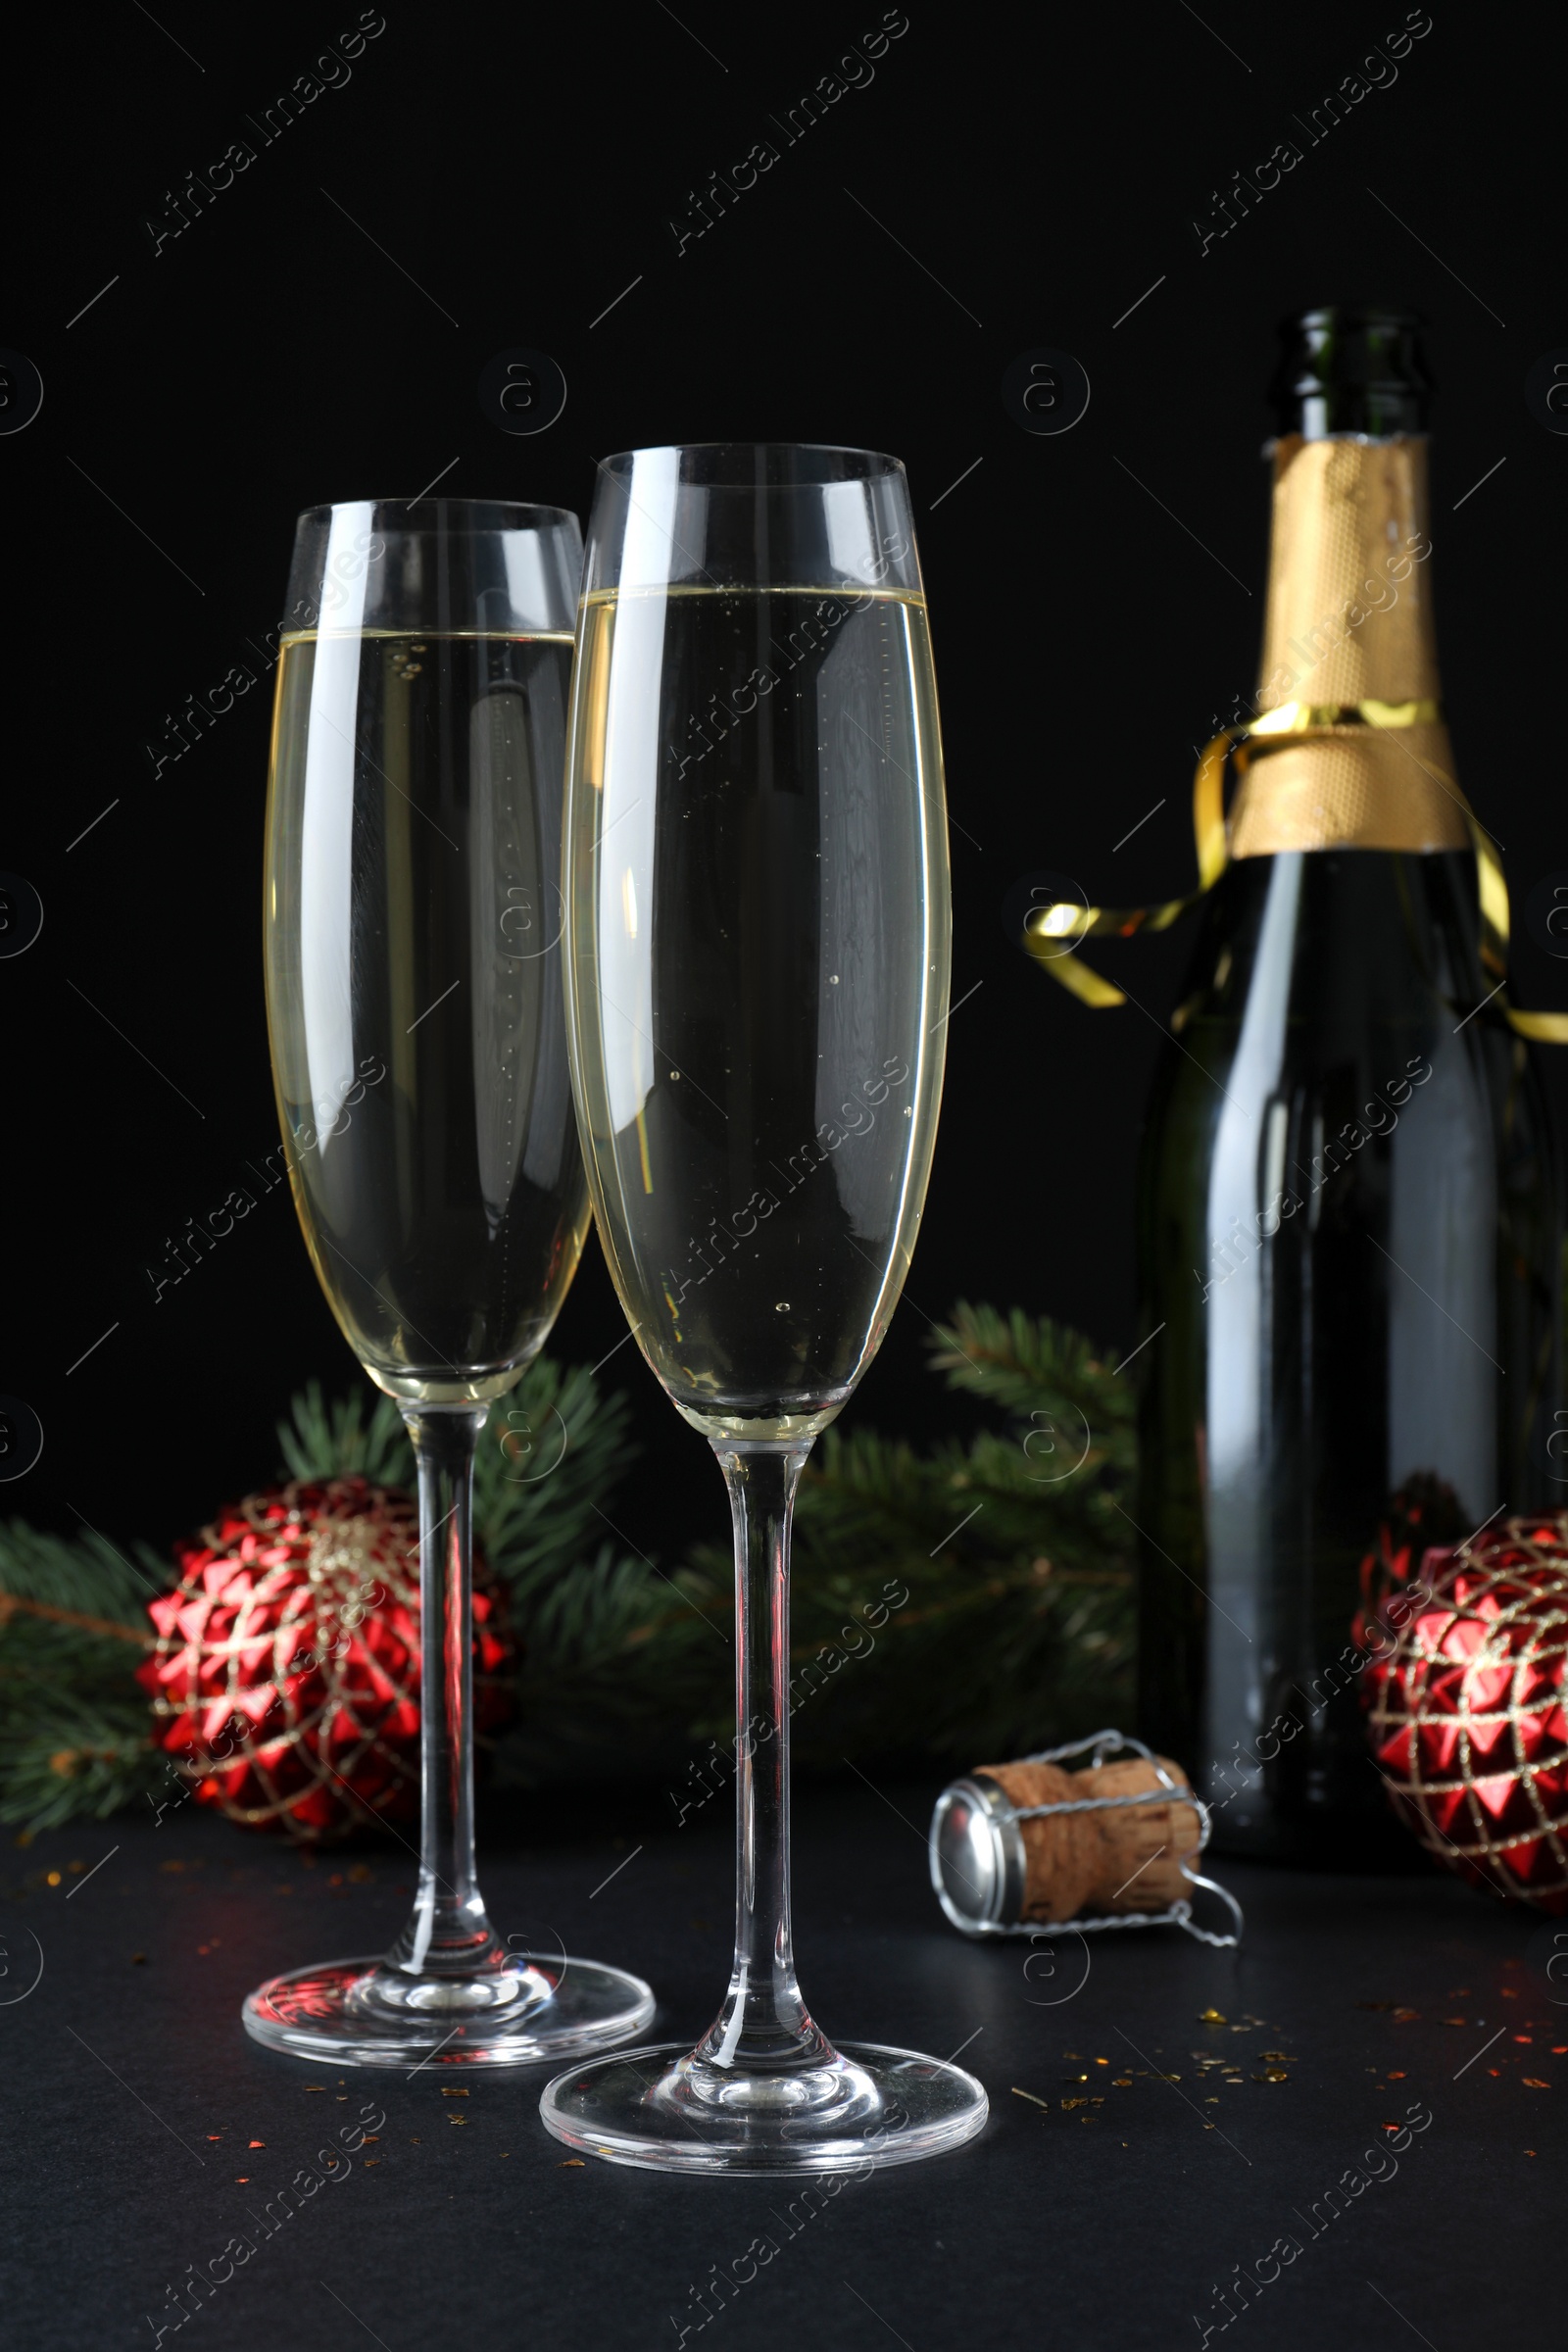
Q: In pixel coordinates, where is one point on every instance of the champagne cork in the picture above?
(990, 1869)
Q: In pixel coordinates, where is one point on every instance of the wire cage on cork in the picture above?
(1029, 1850)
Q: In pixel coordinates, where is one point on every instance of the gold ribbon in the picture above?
(1291, 721)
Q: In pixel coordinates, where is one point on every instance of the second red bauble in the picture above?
(1468, 1716)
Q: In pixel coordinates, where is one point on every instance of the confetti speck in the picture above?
(1209, 2017)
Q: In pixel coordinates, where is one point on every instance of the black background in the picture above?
(1030, 175)
(510, 173)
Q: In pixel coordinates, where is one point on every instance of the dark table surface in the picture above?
(144, 2130)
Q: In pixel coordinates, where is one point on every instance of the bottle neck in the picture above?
(1349, 640)
(1349, 589)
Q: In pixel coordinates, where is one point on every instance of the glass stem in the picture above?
(764, 2024)
(449, 1934)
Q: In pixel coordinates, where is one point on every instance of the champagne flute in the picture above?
(756, 983)
(412, 921)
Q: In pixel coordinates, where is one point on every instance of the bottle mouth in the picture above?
(1352, 367)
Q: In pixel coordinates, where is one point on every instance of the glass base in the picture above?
(363, 2013)
(669, 2111)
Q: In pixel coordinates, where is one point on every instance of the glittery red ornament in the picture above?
(1423, 1512)
(1466, 1713)
(287, 1667)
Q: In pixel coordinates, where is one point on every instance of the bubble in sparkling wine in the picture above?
(782, 1307)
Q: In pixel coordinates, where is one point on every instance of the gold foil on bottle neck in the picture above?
(1350, 620)
(1348, 535)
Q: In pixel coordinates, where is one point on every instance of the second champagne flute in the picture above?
(414, 1007)
(756, 974)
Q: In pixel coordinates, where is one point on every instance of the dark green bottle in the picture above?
(1348, 1223)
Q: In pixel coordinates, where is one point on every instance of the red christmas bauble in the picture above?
(287, 1668)
(1423, 1512)
(1467, 1709)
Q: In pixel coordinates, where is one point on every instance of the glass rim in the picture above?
(538, 517)
(879, 462)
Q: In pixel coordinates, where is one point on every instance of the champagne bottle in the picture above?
(1347, 1218)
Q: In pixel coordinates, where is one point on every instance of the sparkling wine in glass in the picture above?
(756, 980)
(412, 927)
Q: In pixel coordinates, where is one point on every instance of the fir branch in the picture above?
(74, 1736)
(345, 1441)
(550, 1451)
(85, 1573)
(617, 1661)
(11, 1606)
(67, 1763)
(967, 1600)
(1040, 1371)
(548, 1446)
